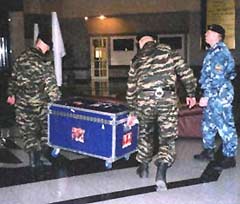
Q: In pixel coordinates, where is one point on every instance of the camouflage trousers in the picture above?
(32, 126)
(219, 118)
(157, 118)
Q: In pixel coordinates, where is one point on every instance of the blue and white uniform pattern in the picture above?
(217, 72)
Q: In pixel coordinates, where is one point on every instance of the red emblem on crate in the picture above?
(127, 140)
(78, 134)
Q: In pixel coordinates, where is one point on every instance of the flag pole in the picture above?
(58, 48)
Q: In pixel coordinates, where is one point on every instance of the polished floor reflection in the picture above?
(115, 88)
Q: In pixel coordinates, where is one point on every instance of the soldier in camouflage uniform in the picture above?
(152, 98)
(32, 86)
(216, 75)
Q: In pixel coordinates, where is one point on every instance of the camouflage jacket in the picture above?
(156, 65)
(217, 71)
(33, 80)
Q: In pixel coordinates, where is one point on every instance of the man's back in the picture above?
(154, 67)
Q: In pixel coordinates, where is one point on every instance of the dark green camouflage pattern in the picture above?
(33, 84)
(157, 66)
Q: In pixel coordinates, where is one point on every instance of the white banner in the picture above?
(58, 48)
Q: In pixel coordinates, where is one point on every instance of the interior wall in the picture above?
(171, 22)
(77, 32)
(43, 7)
(124, 17)
(16, 31)
(168, 17)
(81, 8)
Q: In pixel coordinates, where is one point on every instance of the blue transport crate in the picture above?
(91, 127)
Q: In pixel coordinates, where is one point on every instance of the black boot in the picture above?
(205, 155)
(34, 158)
(160, 179)
(226, 163)
(143, 170)
(45, 152)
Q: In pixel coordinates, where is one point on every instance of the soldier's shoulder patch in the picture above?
(218, 67)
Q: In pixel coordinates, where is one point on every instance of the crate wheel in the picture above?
(108, 165)
(127, 157)
(55, 152)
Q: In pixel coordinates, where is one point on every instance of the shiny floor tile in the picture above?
(86, 180)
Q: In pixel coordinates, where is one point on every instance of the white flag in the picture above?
(35, 33)
(58, 48)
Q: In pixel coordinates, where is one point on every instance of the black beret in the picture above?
(46, 38)
(139, 36)
(217, 28)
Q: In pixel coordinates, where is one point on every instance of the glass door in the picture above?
(99, 58)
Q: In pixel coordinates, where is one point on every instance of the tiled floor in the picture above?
(73, 178)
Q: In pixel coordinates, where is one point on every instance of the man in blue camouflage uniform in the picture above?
(216, 75)
(151, 95)
(31, 87)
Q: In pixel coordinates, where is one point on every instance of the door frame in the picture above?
(103, 71)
